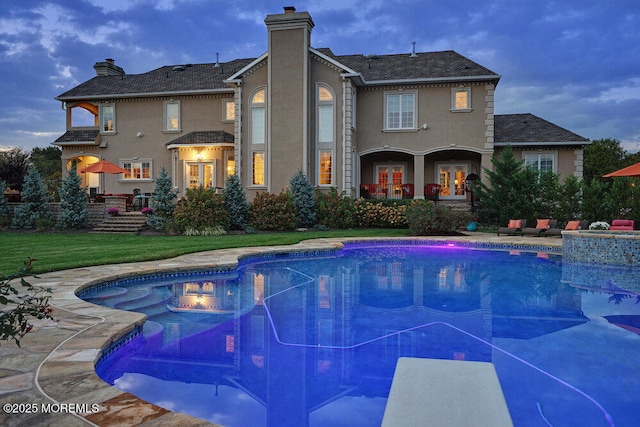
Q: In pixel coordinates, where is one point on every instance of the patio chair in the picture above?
(135, 201)
(514, 227)
(542, 225)
(571, 225)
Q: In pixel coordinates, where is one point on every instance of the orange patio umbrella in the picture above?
(633, 170)
(104, 166)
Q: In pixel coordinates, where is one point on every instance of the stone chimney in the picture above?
(108, 68)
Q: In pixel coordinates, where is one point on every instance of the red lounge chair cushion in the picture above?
(542, 223)
(514, 223)
(622, 224)
(572, 225)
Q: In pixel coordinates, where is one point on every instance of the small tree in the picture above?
(235, 203)
(19, 305)
(570, 199)
(162, 203)
(304, 199)
(34, 202)
(199, 210)
(73, 202)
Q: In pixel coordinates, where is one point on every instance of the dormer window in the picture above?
(107, 118)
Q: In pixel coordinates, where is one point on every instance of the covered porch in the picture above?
(440, 176)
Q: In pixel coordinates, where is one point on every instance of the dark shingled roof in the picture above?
(167, 79)
(203, 137)
(441, 66)
(521, 128)
(424, 66)
(79, 137)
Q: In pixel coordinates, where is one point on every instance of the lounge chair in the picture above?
(514, 227)
(571, 225)
(621, 224)
(542, 225)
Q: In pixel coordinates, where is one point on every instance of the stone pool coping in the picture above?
(51, 379)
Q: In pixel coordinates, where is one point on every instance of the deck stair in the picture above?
(125, 223)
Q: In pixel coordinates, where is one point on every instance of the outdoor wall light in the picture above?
(139, 134)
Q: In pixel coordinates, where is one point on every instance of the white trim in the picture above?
(237, 76)
(201, 144)
(401, 94)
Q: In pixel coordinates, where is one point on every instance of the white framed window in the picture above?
(258, 117)
(172, 116)
(257, 168)
(541, 162)
(200, 174)
(400, 111)
(326, 115)
(107, 118)
(325, 167)
(229, 110)
(461, 99)
(137, 169)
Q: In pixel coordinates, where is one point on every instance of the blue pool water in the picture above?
(314, 340)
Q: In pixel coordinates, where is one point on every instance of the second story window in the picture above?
(229, 111)
(461, 99)
(172, 115)
(541, 162)
(108, 118)
(400, 111)
(258, 122)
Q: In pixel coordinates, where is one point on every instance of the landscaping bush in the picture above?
(424, 217)
(162, 202)
(334, 210)
(235, 203)
(74, 214)
(303, 199)
(200, 209)
(273, 212)
(5, 218)
(376, 214)
(34, 202)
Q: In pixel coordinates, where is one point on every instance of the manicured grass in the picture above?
(61, 251)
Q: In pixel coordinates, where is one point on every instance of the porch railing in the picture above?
(397, 191)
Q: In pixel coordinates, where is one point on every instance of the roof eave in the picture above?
(539, 143)
(144, 94)
(493, 77)
(200, 144)
(238, 75)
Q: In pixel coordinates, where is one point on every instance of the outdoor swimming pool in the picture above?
(314, 339)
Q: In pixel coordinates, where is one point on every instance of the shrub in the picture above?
(334, 210)
(273, 212)
(424, 217)
(73, 214)
(34, 198)
(377, 214)
(113, 210)
(207, 231)
(146, 211)
(162, 202)
(24, 304)
(200, 209)
(235, 203)
(304, 199)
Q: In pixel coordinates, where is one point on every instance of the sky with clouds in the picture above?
(573, 62)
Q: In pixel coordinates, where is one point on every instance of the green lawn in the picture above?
(60, 251)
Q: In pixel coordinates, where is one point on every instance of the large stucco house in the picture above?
(386, 126)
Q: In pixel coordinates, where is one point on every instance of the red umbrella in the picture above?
(633, 170)
(104, 166)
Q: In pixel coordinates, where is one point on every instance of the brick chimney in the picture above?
(108, 68)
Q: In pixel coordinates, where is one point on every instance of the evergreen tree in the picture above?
(34, 202)
(595, 204)
(235, 203)
(501, 200)
(570, 199)
(304, 199)
(163, 202)
(73, 202)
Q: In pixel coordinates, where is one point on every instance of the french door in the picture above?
(200, 174)
(390, 178)
(451, 177)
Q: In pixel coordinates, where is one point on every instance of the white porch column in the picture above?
(418, 176)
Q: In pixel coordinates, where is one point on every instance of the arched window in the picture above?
(257, 136)
(326, 135)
